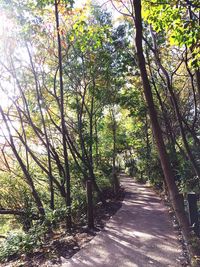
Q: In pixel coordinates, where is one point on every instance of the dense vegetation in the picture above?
(79, 101)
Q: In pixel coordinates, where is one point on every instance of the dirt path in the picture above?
(140, 234)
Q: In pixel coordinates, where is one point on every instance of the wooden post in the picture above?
(181, 197)
(116, 185)
(193, 212)
(90, 214)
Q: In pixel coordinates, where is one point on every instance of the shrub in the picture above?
(19, 242)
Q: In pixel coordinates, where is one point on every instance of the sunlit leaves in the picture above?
(90, 36)
(43, 3)
(178, 21)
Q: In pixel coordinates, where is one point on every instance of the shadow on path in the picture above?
(138, 235)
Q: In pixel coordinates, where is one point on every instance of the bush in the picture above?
(130, 167)
(19, 242)
(10, 247)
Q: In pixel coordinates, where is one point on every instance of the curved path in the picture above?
(140, 234)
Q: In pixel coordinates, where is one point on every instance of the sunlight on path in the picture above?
(138, 235)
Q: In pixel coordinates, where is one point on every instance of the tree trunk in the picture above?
(39, 97)
(148, 149)
(23, 168)
(63, 126)
(175, 105)
(96, 142)
(114, 172)
(168, 174)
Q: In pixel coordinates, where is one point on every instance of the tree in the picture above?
(167, 170)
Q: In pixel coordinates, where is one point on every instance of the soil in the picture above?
(140, 231)
(61, 245)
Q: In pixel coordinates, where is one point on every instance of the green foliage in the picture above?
(19, 242)
(130, 167)
(102, 179)
(179, 22)
(43, 3)
(106, 117)
(105, 167)
(79, 203)
(54, 217)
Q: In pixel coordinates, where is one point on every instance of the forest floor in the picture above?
(60, 245)
(140, 234)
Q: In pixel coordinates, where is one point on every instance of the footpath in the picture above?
(140, 234)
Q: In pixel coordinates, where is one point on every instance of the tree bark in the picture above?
(23, 168)
(39, 97)
(168, 174)
(114, 153)
(175, 105)
(63, 126)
